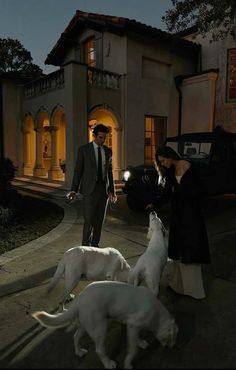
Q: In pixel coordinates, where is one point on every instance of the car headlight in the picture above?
(127, 175)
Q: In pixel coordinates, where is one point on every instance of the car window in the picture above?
(195, 150)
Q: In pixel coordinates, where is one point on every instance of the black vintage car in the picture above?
(214, 154)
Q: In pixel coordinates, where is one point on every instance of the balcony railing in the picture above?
(97, 77)
(55, 80)
(50, 82)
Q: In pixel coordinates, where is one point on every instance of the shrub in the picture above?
(7, 174)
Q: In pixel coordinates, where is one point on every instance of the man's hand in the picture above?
(71, 196)
(112, 197)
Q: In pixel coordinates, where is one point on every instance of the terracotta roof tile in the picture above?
(121, 25)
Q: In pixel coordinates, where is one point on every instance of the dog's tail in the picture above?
(58, 273)
(58, 320)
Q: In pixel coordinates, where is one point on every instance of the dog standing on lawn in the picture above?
(151, 263)
(90, 263)
(136, 307)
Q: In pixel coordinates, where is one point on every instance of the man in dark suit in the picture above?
(94, 180)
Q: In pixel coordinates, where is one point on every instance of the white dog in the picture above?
(134, 306)
(151, 263)
(89, 263)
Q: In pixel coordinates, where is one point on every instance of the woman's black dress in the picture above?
(188, 240)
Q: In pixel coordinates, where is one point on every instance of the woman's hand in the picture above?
(149, 206)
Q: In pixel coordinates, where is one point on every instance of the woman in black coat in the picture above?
(188, 241)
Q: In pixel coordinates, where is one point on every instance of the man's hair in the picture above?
(100, 128)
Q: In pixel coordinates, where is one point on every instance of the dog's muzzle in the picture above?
(152, 215)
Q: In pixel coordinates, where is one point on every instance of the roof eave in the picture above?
(117, 25)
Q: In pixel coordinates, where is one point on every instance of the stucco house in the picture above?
(142, 82)
(220, 58)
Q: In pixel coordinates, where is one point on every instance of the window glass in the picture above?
(196, 150)
(90, 52)
(155, 135)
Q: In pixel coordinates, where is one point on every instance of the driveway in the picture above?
(207, 328)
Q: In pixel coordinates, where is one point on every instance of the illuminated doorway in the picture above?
(113, 140)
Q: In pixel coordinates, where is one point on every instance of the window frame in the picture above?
(157, 138)
(91, 62)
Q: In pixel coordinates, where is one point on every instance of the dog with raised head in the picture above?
(136, 307)
(89, 263)
(151, 263)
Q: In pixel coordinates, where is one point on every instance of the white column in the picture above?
(118, 154)
(27, 166)
(55, 171)
(39, 169)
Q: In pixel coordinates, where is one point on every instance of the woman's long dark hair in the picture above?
(166, 152)
(165, 173)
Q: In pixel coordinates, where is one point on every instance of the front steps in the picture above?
(46, 188)
(39, 187)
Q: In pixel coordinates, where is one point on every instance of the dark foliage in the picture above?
(8, 195)
(15, 58)
(214, 17)
(33, 218)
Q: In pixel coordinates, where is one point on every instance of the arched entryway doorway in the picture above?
(28, 145)
(114, 138)
(43, 144)
(50, 144)
(58, 144)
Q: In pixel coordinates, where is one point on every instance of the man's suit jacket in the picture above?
(85, 173)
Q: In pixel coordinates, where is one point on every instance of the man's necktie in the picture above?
(100, 177)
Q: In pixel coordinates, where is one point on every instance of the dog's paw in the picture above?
(143, 343)
(81, 352)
